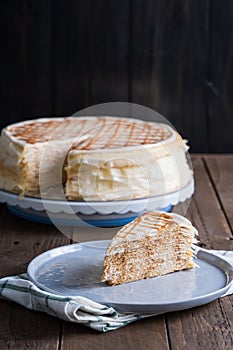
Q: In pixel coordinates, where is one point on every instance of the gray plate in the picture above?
(76, 270)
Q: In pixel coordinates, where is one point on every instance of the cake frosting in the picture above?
(97, 158)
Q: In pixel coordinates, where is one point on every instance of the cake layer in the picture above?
(94, 158)
(154, 244)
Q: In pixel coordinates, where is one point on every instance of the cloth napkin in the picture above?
(75, 309)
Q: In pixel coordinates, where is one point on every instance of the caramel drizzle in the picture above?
(109, 134)
(148, 134)
(152, 220)
(115, 134)
(131, 134)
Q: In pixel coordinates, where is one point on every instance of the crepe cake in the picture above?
(154, 244)
(96, 158)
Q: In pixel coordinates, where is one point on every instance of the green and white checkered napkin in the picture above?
(75, 309)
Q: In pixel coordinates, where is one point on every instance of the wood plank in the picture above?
(24, 240)
(205, 327)
(20, 241)
(91, 53)
(169, 63)
(221, 171)
(141, 335)
(221, 78)
(25, 61)
(205, 211)
(22, 329)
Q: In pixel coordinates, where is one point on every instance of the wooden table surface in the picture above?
(205, 327)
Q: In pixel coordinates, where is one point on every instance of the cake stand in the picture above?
(100, 214)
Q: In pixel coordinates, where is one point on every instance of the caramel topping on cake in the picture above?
(92, 133)
(35, 131)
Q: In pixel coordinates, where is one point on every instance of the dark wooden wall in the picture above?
(174, 56)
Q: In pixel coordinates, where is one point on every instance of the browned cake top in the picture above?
(92, 133)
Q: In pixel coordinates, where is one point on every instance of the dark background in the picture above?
(174, 56)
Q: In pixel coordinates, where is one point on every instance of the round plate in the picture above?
(76, 270)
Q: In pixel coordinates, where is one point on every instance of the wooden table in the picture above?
(205, 327)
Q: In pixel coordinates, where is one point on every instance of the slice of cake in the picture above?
(154, 244)
(93, 158)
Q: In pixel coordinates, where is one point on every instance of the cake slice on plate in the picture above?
(154, 244)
